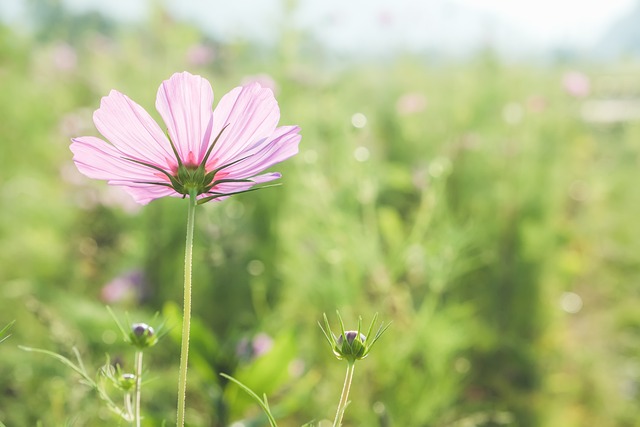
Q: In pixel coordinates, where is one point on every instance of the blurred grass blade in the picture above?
(5, 329)
(263, 404)
(86, 379)
(77, 368)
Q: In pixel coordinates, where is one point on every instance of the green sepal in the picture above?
(216, 195)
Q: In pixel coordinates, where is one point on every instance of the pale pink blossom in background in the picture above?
(212, 154)
(129, 286)
(75, 122)
(536, 103)
(411, 103)
(71, 175)
(261, 343)
(200, 54)
(102, 44)
(65, 57)
(296, 368)
(263, 80)
(576, 84)
(250, 349)
(385, 18)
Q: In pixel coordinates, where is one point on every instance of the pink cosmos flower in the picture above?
(207, 154)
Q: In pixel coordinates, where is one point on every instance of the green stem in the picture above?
(138, 389)
(128, 414)
(186, 320)
(345, 394)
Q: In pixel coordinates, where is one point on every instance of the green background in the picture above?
(474, 224)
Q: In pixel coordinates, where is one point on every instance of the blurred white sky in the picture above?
(375, 25)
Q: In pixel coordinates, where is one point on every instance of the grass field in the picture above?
(469, 203)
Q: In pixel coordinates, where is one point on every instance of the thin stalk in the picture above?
(345, 394)
(138, 390)
(186, 319)
(128, 414)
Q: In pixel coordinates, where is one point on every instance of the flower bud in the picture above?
(351, 348)
(351, 336)
(126, 381)
(352, 345)
(142, 335)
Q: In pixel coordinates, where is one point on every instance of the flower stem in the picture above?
(128, 413)
(138, 374)
(345, 394)
(186, 320)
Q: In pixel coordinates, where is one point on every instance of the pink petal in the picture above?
(143, 194)
(132, 130)
(232, 187)
(185, 104)
(97, 159)
(251, 113)
(266, 177)
(282, 145)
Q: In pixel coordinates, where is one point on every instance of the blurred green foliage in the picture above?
(467, 205)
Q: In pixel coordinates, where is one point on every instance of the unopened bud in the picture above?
(352, 348)
(351, 336)
(142, 335)
(352, 345)
(127, 381)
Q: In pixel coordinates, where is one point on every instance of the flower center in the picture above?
(192, 179)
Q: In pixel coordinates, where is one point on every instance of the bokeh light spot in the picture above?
(109, 336)
(439, 167)
(234, 209)
(361, 154)
(310, 156)
(512, 113)
(570, 302)
(255, 267)
(359, 120)
(462, 365)
(379, 408)
(579, 191)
